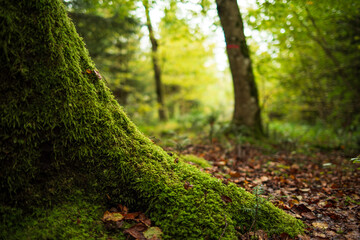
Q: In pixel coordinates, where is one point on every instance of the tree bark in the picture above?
(155, 60)
(246, 108)
(63, 132)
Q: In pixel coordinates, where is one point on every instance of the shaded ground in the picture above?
(321, 189)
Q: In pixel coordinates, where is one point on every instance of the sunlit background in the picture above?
(305, 58)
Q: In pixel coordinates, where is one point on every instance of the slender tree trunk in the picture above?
(246, 109)
(155, 60)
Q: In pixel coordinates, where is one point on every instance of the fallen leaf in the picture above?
(261, 235)
(309, 215)
(114, 217)
(322, 203)
(264, 179)
(187, 185)
(301, 208)
(144, 219)
(226, 199)
(303, 237)
(333, 216)
(318, 234)
(135, 233)
(234, 174)
(131, 216)
(320, 225)
(330, 233)
(293, 202)
(284, 236)
(220, 163)
(153, 233)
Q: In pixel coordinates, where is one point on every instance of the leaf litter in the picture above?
(134, 224)
(321, 189)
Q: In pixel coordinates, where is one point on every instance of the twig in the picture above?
(224, 228)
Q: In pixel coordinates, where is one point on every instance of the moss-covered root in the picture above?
(63, 130)
(189, 204)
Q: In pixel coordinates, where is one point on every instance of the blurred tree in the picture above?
(314, 47)
(246, 108)
(189, 75)
(156, 66)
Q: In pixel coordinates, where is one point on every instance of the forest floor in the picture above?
(321, 189)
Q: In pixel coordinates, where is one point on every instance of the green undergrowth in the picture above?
(78, 217)
(298, 137)
(63, 130)
(279, 135)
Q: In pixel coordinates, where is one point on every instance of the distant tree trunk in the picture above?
(62, 132)
(155, 59)
(246, 109)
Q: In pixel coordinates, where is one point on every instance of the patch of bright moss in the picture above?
(192, 159)
(63, 130)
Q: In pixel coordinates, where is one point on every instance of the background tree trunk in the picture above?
(246, 109)
(155, 59)
(63, 132)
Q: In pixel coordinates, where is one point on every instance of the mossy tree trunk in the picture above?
(246, 102)
(62, 130)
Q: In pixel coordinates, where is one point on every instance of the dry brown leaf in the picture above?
(135, 233)
(309, 215)
(330, 233)
(235, 174)
(226, 199)
(318, 234)
(131, 216)
(320, 225)
(144, 220)
(303, 237)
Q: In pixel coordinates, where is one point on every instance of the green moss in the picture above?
(76, 218)
(63, 130)
(192, 159)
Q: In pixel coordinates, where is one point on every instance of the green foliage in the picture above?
(296, 136)
(311, 60)
(188, 74)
